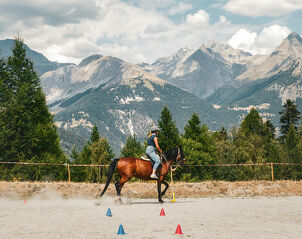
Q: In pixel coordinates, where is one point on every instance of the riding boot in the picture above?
(153, 176)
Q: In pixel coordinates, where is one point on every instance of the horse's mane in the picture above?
(171, 153)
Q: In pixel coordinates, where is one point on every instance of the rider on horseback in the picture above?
(151, 149)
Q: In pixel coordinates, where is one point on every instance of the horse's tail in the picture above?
(110, 174)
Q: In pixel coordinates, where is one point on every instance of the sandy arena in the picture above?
(49, 213)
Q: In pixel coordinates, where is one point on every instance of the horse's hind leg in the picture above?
(119, 185)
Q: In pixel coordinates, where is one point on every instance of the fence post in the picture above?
(68, 169)
(171, 176)
(99, 176)
(272, 169)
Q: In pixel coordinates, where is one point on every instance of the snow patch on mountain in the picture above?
(266, 114)
(216, 106)
(129, 121)
(291, 92)
(79, 119)
(263, 106)
(59, 124)
(54, 94)
(127, 100)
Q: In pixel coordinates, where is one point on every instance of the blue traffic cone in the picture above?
(109, 213)
(121, 230)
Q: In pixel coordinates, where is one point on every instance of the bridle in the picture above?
(178, 159)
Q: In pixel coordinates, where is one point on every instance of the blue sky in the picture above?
(144, 30)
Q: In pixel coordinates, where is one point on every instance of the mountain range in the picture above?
(221, 84)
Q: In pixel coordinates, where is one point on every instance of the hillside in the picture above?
(131, 107)
(41, 63)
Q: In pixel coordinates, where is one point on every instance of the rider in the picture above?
(152, 146)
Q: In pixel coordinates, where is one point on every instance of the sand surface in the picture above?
(56, 217)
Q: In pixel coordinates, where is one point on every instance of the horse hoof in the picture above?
(118, 200)
(161, 201)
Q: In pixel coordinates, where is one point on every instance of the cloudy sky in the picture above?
(144, 30)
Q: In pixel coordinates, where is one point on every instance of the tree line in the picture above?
(255, 141)
(28, 134)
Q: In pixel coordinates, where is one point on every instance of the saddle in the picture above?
(147, 158)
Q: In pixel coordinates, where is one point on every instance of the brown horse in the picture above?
(133, 167)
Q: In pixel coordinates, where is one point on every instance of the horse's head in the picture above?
(180, 159)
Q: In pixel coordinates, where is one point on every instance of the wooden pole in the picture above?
(171, 176)
(272, 169)
(99, 174)
(68, 173)
(172, 185)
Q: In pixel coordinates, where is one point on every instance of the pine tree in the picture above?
(198, 147)
(94, 134)
(292, 138)
(290, 115)
(4, 79)
(132, 148)
(252, 123)
(193, 129)
(270, 129)
(74, 153)
(168, 135)
(100, 153)
(3, 104)
(223, 134)
(30, 133)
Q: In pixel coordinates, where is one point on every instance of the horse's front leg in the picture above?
(166, 188)
(159, 190)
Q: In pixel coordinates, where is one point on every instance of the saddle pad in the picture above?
(145, 157)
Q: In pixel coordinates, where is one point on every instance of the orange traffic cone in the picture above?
(162, 212)
(178, 230)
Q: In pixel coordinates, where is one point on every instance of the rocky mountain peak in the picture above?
(292, 45)
(175, 57)
(294, 37)
(228, 52)
(90, 59)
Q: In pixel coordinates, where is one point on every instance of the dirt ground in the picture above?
(149, 189)
(208, 210)
(206, 218)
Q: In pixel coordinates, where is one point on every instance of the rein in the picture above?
(163, 156)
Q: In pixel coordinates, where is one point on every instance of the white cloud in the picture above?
(243, 39)
(256, 8)
(130, 31)
(222, 19)
(263, 43)
(108, 27)
(51, 12)
(199, 19)
(180, 8)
